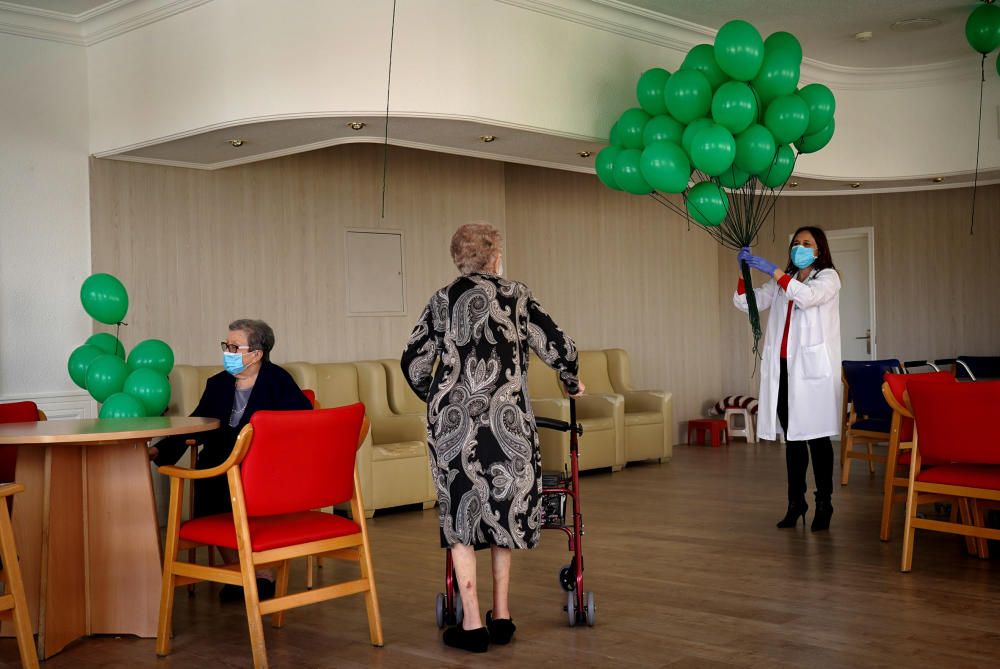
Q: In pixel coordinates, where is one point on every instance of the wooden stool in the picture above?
(716, 427)
(12, 603)
(747, 430)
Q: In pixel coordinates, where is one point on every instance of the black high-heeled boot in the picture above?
(791, 519)
(821, 519)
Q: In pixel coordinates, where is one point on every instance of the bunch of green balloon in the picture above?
(731, 114)
(130, 386)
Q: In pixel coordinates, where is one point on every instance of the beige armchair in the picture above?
(602, 417)
(402, 399)
(649, 415)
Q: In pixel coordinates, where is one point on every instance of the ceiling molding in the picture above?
(91, 27)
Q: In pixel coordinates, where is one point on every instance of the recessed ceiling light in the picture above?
(793, 184)
(584, 154)
(856, 184)
(356, 125)
(912, 25)
(487, 138)
(237, 143)
(937, 180)
(863, 36)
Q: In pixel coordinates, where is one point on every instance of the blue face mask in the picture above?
(802, 257)
(233, 362)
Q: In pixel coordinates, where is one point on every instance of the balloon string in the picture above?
(979, 137)
(118, 334)
(388, 88)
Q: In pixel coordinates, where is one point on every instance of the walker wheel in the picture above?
(567, 579)
(459, 612)
(439, 610)
(571, 608)
(591, 609)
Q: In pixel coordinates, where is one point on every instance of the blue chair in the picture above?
(867, 416)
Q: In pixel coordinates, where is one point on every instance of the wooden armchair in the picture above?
(13, 605)
(269, 529)
(867, 417)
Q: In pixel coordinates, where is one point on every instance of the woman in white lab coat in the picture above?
(800, 387)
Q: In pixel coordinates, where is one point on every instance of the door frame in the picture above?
(869, 233)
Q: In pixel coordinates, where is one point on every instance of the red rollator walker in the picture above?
(580, 605)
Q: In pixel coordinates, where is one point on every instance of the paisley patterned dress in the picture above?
(484, 455)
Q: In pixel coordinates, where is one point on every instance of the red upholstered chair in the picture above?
(284, 464)
(15, 412)
(901, 442)
(953, 427)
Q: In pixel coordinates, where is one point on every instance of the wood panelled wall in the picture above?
(936, 286)
(197, 249)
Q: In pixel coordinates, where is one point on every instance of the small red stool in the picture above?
(716, 427)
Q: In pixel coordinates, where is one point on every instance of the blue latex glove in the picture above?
(744, 254)
(762, 265)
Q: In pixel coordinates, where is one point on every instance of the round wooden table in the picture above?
(86, 525)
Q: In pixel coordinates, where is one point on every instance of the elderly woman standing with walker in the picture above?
(482, 440)
(800, 385)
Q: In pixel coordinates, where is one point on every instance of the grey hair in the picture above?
(474, 246)
(260, 336)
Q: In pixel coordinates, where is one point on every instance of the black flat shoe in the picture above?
(474, 641)
(501, 629)
(791, 519)
(234, 593)
(821, 519)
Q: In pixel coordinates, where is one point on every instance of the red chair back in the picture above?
(301, 460)
(897, 384)
(954, 420)
(14, 412)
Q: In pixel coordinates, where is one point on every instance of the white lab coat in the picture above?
(814, 376)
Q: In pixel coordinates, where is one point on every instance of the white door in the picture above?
(853, 255)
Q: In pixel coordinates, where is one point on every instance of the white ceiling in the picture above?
(826, 28)
(71, 8)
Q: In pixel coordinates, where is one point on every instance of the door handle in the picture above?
(868, 340)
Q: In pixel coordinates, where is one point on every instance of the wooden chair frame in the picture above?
(176, 573)
(848, 437)
(13, 605)
(918, 492)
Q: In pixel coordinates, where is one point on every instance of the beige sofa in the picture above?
(649, 422)
(392, 462)
(602, 417)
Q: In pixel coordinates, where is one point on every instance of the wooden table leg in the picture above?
(124, 541)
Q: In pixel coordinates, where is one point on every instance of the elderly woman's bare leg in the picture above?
(464, 559)
(501, 581)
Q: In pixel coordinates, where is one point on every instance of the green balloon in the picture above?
(665, 167)
(79, 361)
(779, 73)
(821, 103)
(734, 177)
(739, 50)
(780, 169)
(151, 388)
(108, 343)
(104, 298)
(122, 405)
(755, 149)
(982, 28)
(615, 136)
(687, 139)
(815, 142)
(713, 150)
(784, 43)
(628, 174)
(649, 90)
(631, 125)
(707, 203)
(604, 164)
(688, 95)
(702, 59)
(106, 376)
(787, 118)
(662, 129)
(152, 353)
(734, 106)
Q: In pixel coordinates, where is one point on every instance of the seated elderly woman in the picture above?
(483, 446)
(250, 382)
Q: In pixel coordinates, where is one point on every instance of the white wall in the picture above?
(240, 60)
(44, 216)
